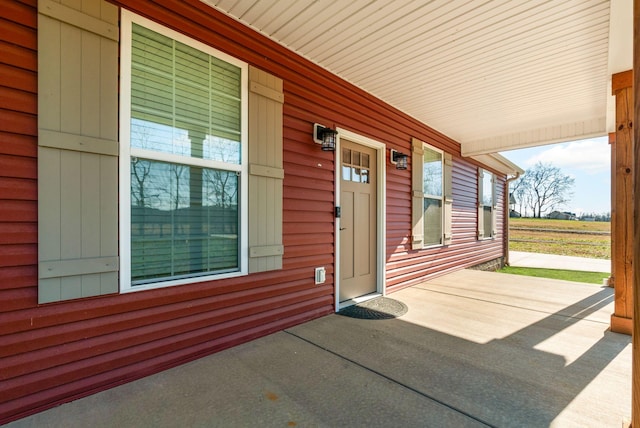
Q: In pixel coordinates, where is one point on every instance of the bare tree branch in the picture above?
(542, 189)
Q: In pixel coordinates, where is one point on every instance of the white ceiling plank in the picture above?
(225, 5)
(488, 73)
(432, 38)
(328, 26)
(477, 54)
(542, 69)
(369, 22)
(258, 14)
(404, 30)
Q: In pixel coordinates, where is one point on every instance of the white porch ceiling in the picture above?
(492, 74)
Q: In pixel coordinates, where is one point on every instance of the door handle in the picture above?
(342, 228)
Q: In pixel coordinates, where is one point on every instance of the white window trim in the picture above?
(483, 171)
(127, 19)
(441, 198)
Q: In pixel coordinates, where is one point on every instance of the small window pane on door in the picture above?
(346, 156)
(355, 166)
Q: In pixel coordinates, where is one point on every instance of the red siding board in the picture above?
(309, 250)
(18, 255)
(19, 145)
(217, 310)
(18, 189)
(88, 345)
(307, 194)
(17, 56)
(15, 277)
(79, 310)
(305, 158)
(131, 336)
(18, 233)
(308, 216)
(300, 181)
(350, 113)
(86, 386)
(94, 365)
(309, 261)
(18, 100)
(294, 242)
(24, 80)
(18, 122)
(18, 34)
(18, 166)
(318, 175)
(305, 228)
(18, 211)
(298, 205)
(21, 12)
(16, 299)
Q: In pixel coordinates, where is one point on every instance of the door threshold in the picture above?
(356, 300)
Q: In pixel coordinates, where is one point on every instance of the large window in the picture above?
(433, 196)
(486, 202)
(183, 173)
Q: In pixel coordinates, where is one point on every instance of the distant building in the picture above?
(565, 215)
(512, 207)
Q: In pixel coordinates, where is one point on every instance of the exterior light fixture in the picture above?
(399, 159)
(325, 136)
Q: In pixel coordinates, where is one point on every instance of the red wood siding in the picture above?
(18, 167)
(406, 267)
(80, 347)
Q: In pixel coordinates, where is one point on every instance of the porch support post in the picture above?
(635, 377)
(622, 203)
(612, 143)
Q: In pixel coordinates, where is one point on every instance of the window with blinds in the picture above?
(184, 161)
(433, 191)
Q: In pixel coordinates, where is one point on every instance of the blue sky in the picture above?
(587, 161)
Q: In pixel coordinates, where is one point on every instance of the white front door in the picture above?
(358, 222)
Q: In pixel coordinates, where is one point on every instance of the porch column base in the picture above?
(621, 324)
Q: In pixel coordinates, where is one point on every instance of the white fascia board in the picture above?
(538, 137)
(499, 163)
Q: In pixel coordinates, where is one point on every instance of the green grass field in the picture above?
(544, 223)
(566, 275)
(561, 237)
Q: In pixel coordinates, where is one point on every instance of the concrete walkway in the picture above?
(475, 349)
(552, 261)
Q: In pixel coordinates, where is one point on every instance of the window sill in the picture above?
(184, 281)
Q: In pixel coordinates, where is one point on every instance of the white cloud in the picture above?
(590, 156)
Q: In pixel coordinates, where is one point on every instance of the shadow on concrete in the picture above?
(453, 360)
(504, 382)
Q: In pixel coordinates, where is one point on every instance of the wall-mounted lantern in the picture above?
(399, 159)
(325, 136)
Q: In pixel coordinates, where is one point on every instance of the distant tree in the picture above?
(596, 217)
(543, 188)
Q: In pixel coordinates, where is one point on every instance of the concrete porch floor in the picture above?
(475, 349)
